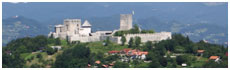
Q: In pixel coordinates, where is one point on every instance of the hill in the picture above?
(37, 52)
(19, 26)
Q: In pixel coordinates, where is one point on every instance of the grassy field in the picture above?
(199, 62)
(96, 47)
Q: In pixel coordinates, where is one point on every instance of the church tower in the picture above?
(126, 21)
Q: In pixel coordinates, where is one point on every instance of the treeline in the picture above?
(79, 55)
(13, 50)
(183, 45)
(134, 30)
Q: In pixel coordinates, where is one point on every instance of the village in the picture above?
(73, 44)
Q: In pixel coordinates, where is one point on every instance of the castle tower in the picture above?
(58, 28)
(72, 26)
(126, 21)
(86, 28)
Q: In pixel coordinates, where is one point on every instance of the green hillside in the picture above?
(172, 53)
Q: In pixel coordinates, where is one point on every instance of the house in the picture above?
(8, 53)
(183, 64)
(134, 54)
(129, 54)
(97, 62)
(143, 55)
(56, 47)
(105, 66)
(200, 52)
(215, 58)
(89, 65)
(113, 52)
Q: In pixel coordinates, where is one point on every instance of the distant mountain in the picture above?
(19, 26)
(186, 12)
(198, 20)
(197, 31)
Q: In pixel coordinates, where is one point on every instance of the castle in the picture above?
(73, 30)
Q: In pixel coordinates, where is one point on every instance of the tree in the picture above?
(107, 41)
(181, 59)
(136, 28)
(39, 56)
(213, 64)
(163, 61)
(155, 63)
(78, 56)
(131, 43)
(151, 31)
(49, 50)
(35, 66)
(148, 45)
(121, 65)
(123, 40)
(179, 49)
(137, 42)
(58, 41)
(111, 58)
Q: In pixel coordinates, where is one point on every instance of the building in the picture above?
(73, 30)
(200, 52)
(133, 54)
(215, 58)
(126, 21)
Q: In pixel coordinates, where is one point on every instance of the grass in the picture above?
(97, 47)
(199, 62)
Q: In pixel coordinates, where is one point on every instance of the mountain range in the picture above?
(197, 20)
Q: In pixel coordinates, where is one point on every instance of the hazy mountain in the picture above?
(197, 20)
(19, 26)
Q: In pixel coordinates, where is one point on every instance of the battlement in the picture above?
(72, 20)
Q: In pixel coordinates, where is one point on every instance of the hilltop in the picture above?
(172, 53)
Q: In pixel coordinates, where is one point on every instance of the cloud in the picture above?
(17, 2)
(214, 3)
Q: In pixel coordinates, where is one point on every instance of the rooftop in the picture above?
(97, 62)
(213, 57)
(86, 23)
(200, 51)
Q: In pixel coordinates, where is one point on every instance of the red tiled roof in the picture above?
(106, 66)
(111, 64)
(97, 62)
(200, 51)
(89, 65)
(213, 57)
(126, 50)
(146, 53)
(113, 52)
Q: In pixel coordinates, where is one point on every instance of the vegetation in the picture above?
(78, 56)
(123, 40)
(36, 52)
(134, 30)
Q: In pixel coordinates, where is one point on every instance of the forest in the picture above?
(36, 52)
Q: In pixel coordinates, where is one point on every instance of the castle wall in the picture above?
(85, 31)
(73, 30)
(84, 38)
(150, 37)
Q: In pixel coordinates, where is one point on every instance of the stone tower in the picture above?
(126, 21)
(72, 26)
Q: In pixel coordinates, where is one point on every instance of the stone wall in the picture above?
(150, 37)
(84, 38)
